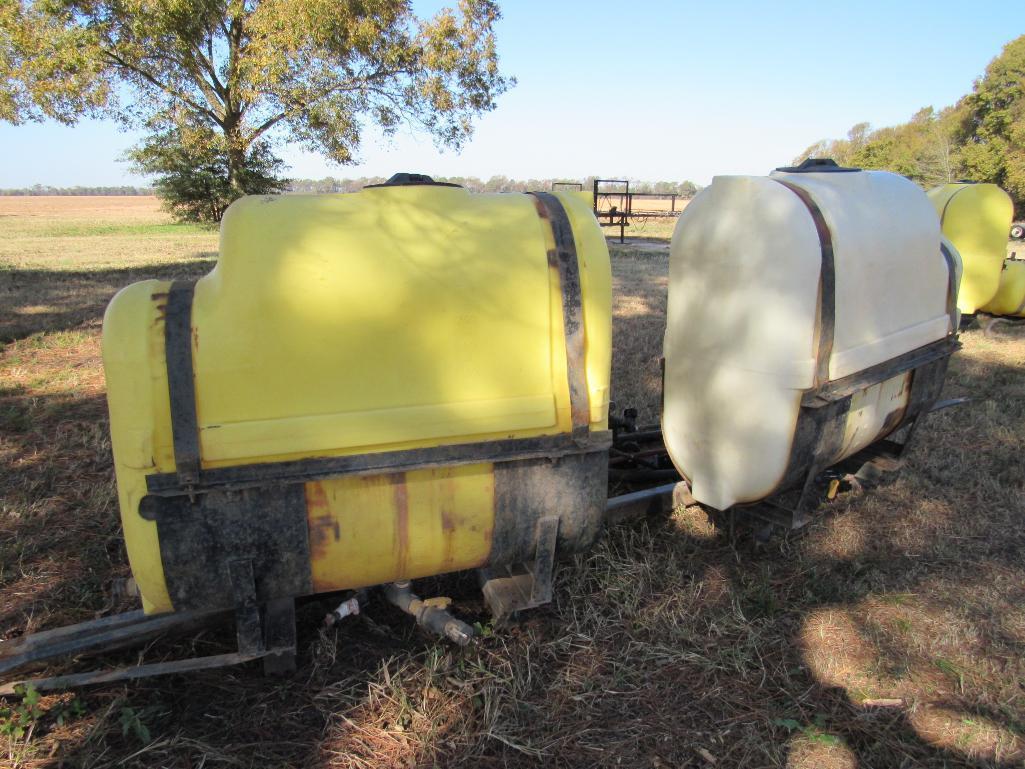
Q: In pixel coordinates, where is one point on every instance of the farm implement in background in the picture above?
(615, 205)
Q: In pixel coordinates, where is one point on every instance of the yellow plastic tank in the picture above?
(367, 387)
(1010, 298)
(976, 219)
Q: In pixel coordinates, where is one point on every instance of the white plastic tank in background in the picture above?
(744, 291)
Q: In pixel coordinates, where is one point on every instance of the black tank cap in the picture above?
(817, 166)
(404, 179)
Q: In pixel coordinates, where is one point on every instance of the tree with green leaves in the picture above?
(981, 138)
(993, 124)
(923, 149)
(840, 150)
(249, 73)
(191, 166)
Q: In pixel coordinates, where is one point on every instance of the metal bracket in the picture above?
(279, 636)
(201, 543)
(544, 560)
(247, 612)
(275, 637)
(517, 587)
(273, 640)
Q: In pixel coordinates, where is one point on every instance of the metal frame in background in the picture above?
(620, 214)
(616, 215)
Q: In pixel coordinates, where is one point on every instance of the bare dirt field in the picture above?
(890, 633)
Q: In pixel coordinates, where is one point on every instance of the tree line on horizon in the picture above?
(493, 184)
(125, 190)
(330, 184)
(981, 138)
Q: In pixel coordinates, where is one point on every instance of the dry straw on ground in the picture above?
(890, 634)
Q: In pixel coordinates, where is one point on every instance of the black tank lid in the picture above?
(404, 179)
(817, 166)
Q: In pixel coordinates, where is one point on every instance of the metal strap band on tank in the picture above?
(181, 383)
(564, 259)
(951, 286)
(859, 380)
(302, 470)
(954, 194)
(827, 285)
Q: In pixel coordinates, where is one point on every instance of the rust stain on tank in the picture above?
(893, 419)
(323, 526)
(160, 298)
(446, 509)
(316, 496)
(448, 521)
(400, 496)
(495, 512)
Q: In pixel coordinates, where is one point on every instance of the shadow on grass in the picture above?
(60, 539)
(666, 644)
(32, 301)
(638, 310)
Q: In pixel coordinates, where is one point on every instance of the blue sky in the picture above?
(656, 90)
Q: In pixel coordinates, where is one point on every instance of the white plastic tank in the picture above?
(780, 287)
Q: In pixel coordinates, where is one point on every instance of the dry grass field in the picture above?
(890, 633)
(640, 204)
(62, 258)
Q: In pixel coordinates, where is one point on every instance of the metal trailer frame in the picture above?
(619, 215)
(615, 216)
(268, 631)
